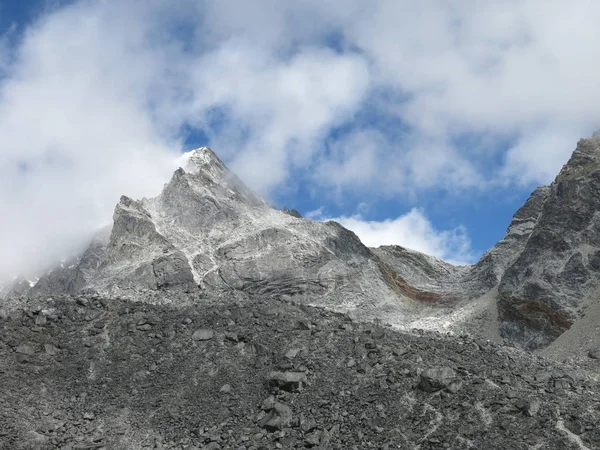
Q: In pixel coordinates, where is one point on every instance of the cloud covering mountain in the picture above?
(360, 101)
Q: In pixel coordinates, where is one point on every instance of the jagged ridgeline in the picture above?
(208, 233)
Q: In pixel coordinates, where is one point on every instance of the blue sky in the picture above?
(420, 124)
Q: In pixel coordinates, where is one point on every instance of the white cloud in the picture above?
(512, 70)
(92, 106)
(93, 100)
(351, 161)
(412, 230)
(280, 103)
(539, 155)
(76, 134)
(518, 68)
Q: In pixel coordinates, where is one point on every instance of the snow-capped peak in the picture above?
(202, 158)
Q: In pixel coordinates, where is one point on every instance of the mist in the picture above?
(76, 135)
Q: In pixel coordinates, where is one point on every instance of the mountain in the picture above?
(208, 234)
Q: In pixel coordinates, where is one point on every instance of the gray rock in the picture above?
(529, 407)
(41, 320)
(50, 349)
(25, 348)
(455, 386)
(292, 212)
(312, 439)
(292, 353)
(288, 381)
(268, 403)
(212, 446)
(278, 418)
(325, 437)
(533, 407)
(308, 425)
(543, 376)
(303, 324)
(436, 378)
(594, 353)
(74, 274)
(19, 287)
(203, 334)
(555, 276)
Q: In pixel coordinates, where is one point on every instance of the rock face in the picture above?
(545, 272)
(490, 269)
(73, 275)
(138, 257)
(16, 288)
(70, 276)
(555, 277)
(433, 280)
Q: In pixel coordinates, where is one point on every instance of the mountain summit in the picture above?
(208, 234)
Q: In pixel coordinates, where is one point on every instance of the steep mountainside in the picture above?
(555, 277)
(544, 274)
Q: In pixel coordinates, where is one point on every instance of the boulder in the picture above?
(203, 334)
(437, 378)
(288, 381)
(278, 418)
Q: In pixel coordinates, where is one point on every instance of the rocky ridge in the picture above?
(208, 232)
(542, 277)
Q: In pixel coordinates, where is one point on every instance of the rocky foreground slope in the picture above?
(249, 373)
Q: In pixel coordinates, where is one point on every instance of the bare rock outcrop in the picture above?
(556, 275)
